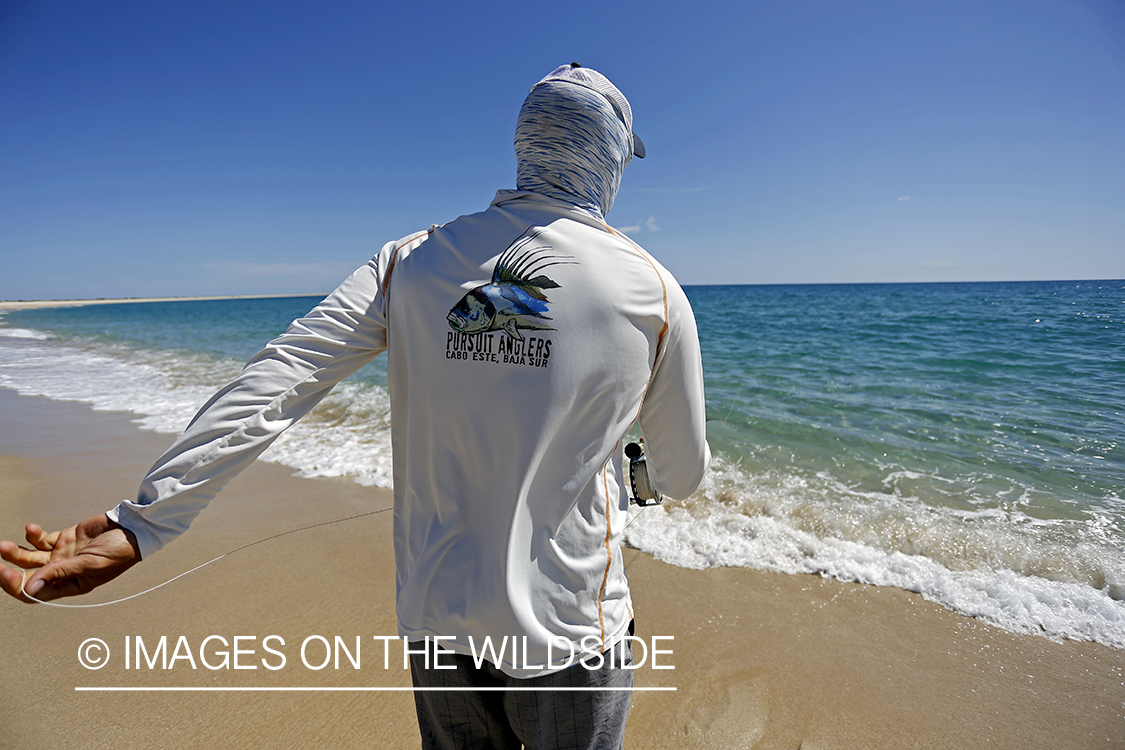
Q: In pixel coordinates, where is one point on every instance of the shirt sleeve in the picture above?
(279, 385)
(674, 417)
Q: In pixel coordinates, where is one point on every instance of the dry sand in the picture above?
(762, 660)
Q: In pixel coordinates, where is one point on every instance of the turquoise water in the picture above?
(1013, 393)
(961, 440)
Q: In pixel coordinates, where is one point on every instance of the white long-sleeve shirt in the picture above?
(523, 342)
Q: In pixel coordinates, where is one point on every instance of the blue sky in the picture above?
(172, 148)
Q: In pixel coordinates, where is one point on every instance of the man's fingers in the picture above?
(21, 556)
(45, 590)
(11, 580)
(68, 577)
(40, 539)
(22, 586)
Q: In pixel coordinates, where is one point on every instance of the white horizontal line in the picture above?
(360, 689)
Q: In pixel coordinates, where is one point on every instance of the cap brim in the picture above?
(638, 147)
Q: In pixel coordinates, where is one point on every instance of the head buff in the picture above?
(571, 145)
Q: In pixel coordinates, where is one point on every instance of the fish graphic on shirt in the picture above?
(514, 299)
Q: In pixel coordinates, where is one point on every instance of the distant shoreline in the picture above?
(32, 304)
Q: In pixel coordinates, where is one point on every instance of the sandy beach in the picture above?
(762, 660)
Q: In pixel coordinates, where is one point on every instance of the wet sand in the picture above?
(762, 660)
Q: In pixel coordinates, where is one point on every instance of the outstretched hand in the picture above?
(69, 562)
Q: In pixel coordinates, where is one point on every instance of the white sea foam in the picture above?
(121, 381)
(347, 435)
(989, 565)
(1062, 579)
(23, 333)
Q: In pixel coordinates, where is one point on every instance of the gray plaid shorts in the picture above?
(470, 719)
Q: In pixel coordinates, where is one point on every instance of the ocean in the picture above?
(965, 441)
